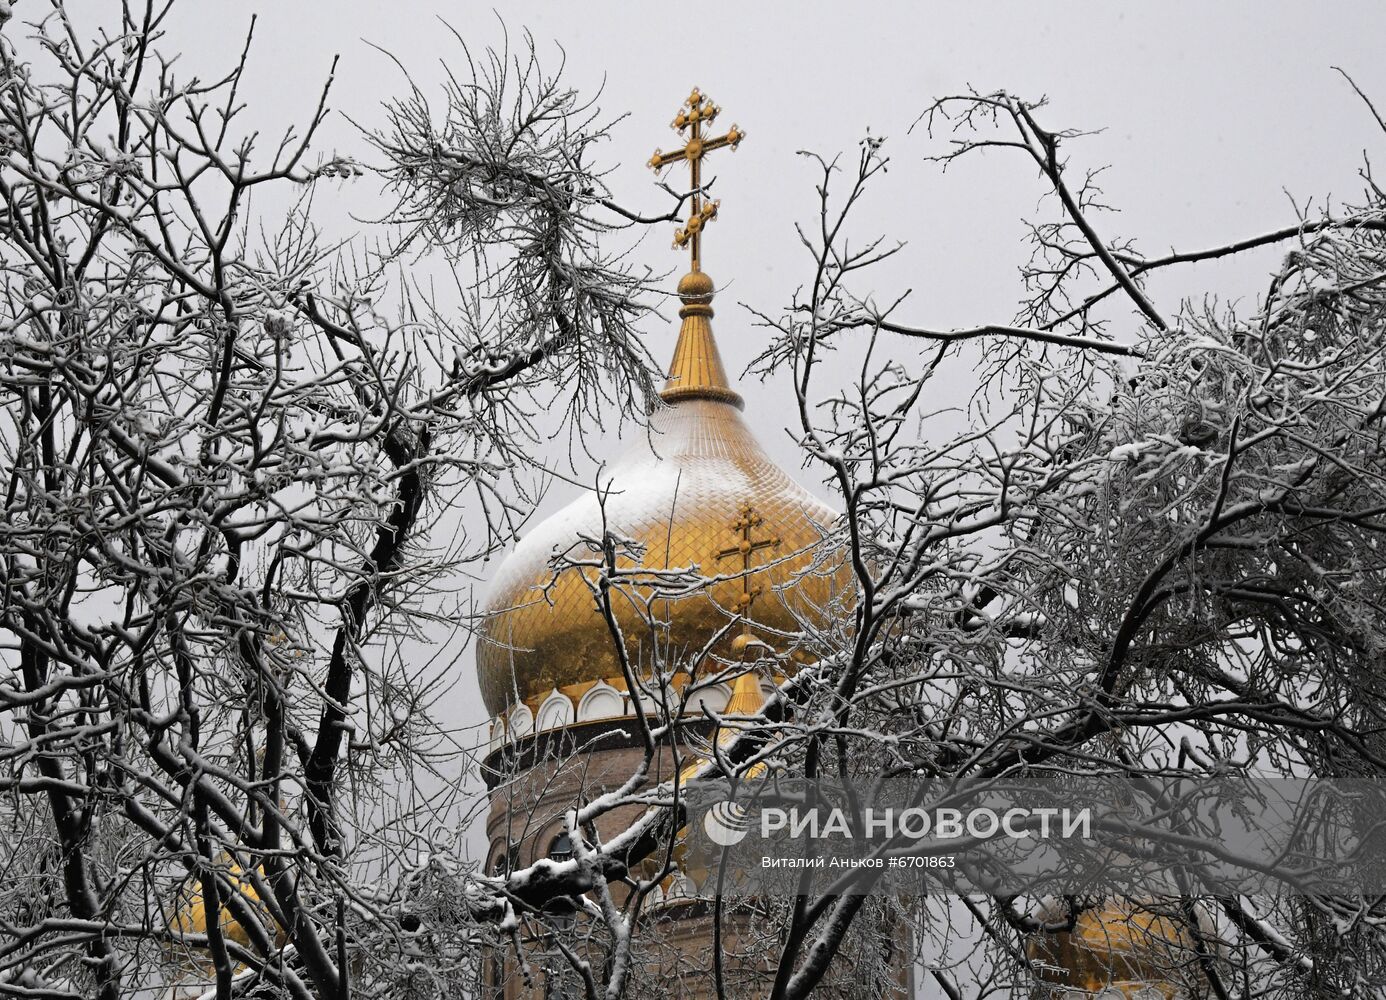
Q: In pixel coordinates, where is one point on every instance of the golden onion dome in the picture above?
(1123, 948)
(697, 491)
(191, 915)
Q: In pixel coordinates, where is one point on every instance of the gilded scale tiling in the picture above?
(679, 493)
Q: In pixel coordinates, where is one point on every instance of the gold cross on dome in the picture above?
(745, 525)
(696, 112)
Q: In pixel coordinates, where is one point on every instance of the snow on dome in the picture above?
(680, 493)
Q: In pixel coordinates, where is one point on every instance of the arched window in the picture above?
(494, 974)
(499, 861)
(561, 847)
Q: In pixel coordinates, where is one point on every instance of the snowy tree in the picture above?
(243, 467)
(237, 456)
(1153, 552)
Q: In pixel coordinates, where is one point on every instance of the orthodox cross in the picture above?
(745, 525)
(696, 112)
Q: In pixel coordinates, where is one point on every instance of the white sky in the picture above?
(1215, 115)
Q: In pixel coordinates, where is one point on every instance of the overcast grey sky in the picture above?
(1212, 113)
(1214, 116)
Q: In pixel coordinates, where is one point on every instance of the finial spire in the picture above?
(746, 698)
(696, 371)
(696, 112)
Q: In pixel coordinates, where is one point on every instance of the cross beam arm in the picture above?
(746, 548)
(732, 138)
(661, 160)
(697, 113)
(697, 149)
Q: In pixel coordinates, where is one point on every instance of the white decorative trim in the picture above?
(679, 887)
(555, 713)
(521, 722)
(602, 701)
(714, 697)
(647, 702)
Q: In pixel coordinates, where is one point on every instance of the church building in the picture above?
(720, 561)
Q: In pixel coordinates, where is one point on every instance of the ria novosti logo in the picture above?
(727, 823)
(1066, 834)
